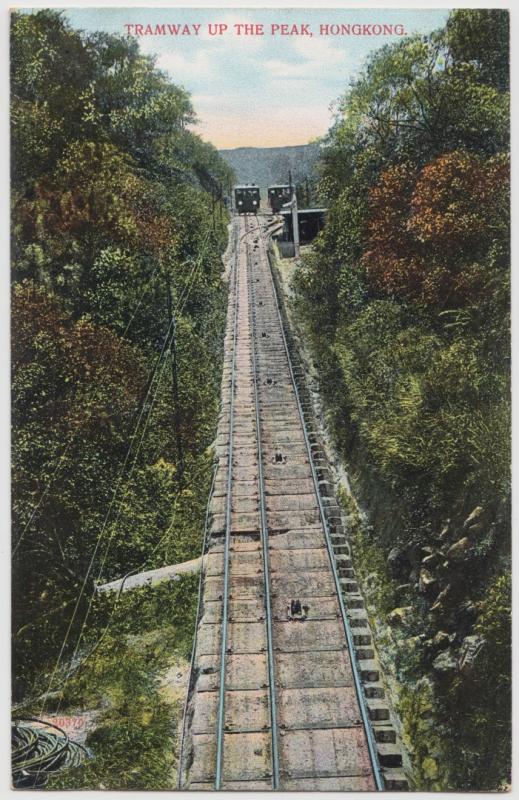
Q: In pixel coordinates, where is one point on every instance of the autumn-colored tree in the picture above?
(114, 232)
(405, 303)
(428, 234)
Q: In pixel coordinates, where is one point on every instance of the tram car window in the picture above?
(278, 196)
(247, 199)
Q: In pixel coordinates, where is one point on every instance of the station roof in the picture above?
(304, 210)
(279, 186)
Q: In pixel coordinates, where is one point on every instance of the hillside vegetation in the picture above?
(271, 165)
(118, 311)
(405, 302)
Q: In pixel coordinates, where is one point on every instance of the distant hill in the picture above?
(267, 165)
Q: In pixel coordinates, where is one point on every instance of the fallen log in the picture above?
(151, 577)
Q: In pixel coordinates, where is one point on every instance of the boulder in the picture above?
(470, 650)
(468, 612)
(398, 562)
(430, 561)
(445, 663)
(445, 531)
(459, 550)
(399, 615)
(441, 640)
(415, 553)
(477, 528)
(427, 582)
(439, 604)
(474, 516)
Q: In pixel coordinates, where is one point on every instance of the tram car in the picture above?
(247, 198)
(278, 196)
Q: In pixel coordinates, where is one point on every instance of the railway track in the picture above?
(278, 697)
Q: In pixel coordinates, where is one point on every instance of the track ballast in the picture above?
(276, 699)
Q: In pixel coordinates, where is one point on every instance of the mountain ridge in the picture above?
(269, 165)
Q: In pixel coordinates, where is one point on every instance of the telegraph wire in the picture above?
(164, 350)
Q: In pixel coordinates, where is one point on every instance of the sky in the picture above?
(265, 90)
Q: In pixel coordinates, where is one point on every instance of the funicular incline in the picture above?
(284, 691)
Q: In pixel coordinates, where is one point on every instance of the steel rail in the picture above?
(377, 774)
(199, 605)
(265, 551)
(225, 597)
(195, 640)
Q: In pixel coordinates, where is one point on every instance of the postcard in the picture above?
(260, 399)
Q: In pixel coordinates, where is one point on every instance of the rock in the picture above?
(445, 531)
(470, 650)
(414, 642)
(439, 603)
(443, 567)
(468, 612)
(441, 640)
(427, 582)
(431, 560)
(466, 616)
(414, 576)
(474, 516)
(446, 662)
(414, 552)
(398, 562)
(399, 615)
(458, 551)
(477, 528)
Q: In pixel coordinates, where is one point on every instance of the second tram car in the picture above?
(247, 199)
(278, 196)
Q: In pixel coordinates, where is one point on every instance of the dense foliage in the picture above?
(118, 309)
(405, 303)
(146, 646)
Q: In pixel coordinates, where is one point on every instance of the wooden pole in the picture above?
(174, 381)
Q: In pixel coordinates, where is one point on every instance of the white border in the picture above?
(4, 346)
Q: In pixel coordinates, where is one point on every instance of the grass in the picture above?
(135, 743)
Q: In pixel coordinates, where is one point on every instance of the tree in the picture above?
(429, 234)
(481, 37)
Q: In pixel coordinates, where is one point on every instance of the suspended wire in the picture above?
(96, 548)
(187, 287)
(182, 301)
(183, 297)
(141, 300)
(107, 515)
(44, 493)
(49, 483)
(140, 568)
(105, 555)
(114, 524)
(134, 571)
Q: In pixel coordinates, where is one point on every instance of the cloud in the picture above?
(320, 50)
(182, 68)
(287, 69)
(306, 59)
